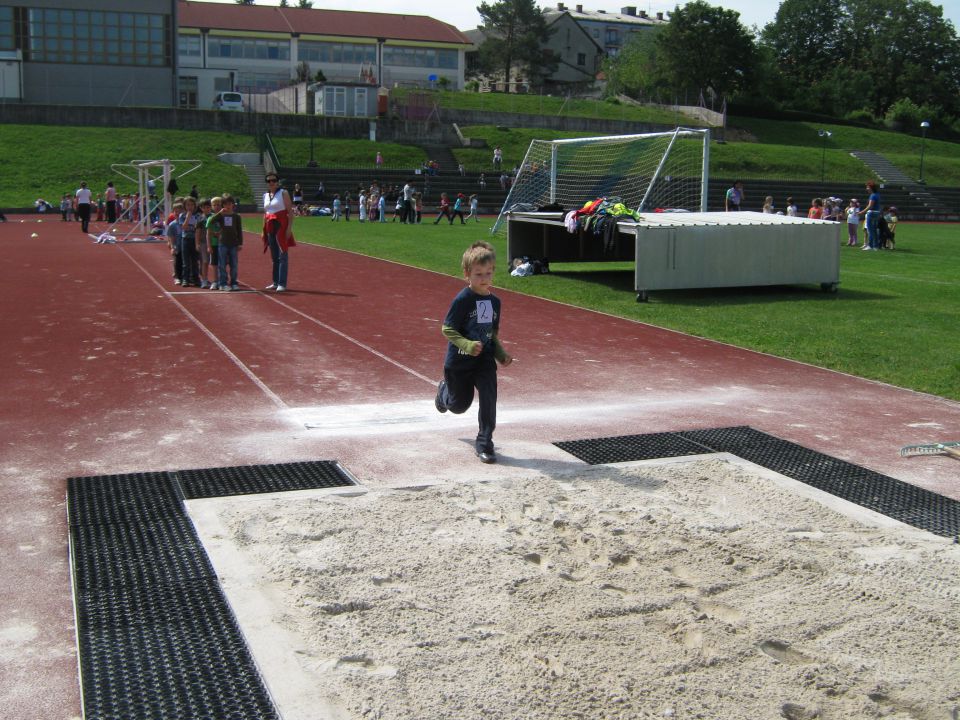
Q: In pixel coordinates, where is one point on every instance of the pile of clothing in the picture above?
(595, 215)
(600, 218)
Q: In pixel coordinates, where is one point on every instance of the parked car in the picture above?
(228, 101)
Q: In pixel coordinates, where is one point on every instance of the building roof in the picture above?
(346, 23)
(628, 15)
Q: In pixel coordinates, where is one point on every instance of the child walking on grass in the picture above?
(472, 327)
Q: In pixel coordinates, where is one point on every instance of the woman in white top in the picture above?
(277, 230)
(83, 206)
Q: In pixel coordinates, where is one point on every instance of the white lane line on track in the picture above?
(339, 333)
(348, 338)
(213, 338)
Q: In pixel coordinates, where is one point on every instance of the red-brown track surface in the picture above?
(108, 367)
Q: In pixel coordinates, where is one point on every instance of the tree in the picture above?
(515, 32)
(806, 38)
(284, 3)
(637, 70)
(865, 55)
(244, 2)
(305, 4)
(706, 48)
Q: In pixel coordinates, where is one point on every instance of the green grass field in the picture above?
(47, 161)
(895, 318)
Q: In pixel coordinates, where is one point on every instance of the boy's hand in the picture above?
(477, 348)
(507, 360)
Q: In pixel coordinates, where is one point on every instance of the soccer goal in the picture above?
(647, 172)
(153, 182)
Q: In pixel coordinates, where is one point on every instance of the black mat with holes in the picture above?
(156, 635)
(894, 498)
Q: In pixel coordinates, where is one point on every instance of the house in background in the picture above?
(259, 49)
(610, 30)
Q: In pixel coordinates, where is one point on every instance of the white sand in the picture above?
(693, 590)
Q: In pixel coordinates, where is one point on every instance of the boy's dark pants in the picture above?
(459, 396)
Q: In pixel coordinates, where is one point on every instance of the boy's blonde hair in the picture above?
(216, 200)
(480, 253)
(227, 198)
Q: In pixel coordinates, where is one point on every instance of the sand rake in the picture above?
(948, 448)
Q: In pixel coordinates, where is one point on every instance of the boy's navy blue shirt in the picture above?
(476, 317)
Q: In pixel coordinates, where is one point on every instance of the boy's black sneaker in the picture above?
(438, 399)
(487, 456)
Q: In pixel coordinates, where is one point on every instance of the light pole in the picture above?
(823, 154)
(924, 126)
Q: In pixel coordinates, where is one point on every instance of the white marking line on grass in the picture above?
(901, 277)
(348, 338)
(213, 338)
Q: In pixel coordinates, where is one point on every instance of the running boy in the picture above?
(472, 327)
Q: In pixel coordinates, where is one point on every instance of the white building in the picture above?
(259, 49)
(610, 30)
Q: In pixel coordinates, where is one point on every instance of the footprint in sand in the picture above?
(782, 652)
(719, 611)
(359, 664)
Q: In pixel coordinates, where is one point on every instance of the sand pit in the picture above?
(704, 589)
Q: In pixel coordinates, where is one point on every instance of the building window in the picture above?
(188, 45)
(85, 37)
(360, 102)
(251, 82)
(421, 57)
(328, 52)
(612, 37)
(246, 49)
(581, 59)
(7, 41)
(335, 101)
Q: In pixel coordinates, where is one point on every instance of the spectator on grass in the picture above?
(42, 205)
(346, 206)
(768, 205)
(379, 160)
(482, 182)
(84, 196)
(444, 209)
(336, 208)
(110, 196)
(816, 209)
(734, 197)
(474, 208)
(791, 207)
(497, 157)
(277, 230)
(66, 206)
(362, 209)
(458, 209)
(872, 216)
(409, 210)
(382, 208)
(298, 199)
(418, 203)
(194, 193)
(853, 222)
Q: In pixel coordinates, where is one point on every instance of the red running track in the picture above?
(107, 368)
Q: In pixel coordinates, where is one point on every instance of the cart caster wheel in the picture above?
(829, 287)
(642, 296)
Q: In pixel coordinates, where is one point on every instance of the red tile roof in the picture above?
(346, 23)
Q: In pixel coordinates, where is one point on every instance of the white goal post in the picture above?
(647, 172)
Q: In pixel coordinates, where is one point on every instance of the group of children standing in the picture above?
(202, 235)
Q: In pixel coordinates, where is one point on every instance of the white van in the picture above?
(228, 101)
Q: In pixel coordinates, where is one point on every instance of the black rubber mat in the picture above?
(250, 479)
(626, 448)
(156, 635)
(891, 497)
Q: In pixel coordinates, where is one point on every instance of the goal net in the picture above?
(647, 172)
